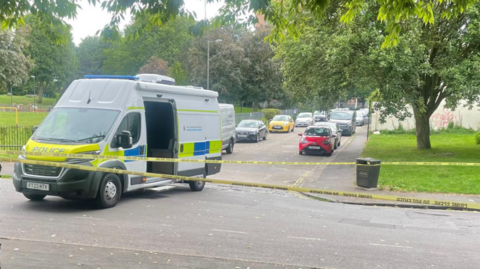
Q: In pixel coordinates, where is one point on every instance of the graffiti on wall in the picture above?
(442, 119)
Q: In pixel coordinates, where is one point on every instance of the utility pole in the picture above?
(11, 94)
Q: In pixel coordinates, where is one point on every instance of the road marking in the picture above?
(306, 238)
(383, 245)
(228, 231)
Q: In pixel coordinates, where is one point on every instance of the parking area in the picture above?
(277, 147)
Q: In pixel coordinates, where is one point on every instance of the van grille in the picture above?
(42, 170)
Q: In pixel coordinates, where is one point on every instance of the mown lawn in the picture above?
(24, 118)
(433, 179)
(5, 99)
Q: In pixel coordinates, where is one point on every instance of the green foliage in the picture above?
(430, 63)
(169, 42)
(477, 137)
(90, 56)
(242, 67)
(269, 113)
(446, 147)
(15, 65)
(55, 64)
(176, 71)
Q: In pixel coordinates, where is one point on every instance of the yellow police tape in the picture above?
(413, 200)
(152, 159)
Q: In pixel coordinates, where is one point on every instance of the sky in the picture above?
(90, 18)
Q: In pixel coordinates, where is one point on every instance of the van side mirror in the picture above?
(124, 140)
(34, 129)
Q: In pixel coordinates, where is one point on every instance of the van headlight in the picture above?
(23, 155)
(78, 160)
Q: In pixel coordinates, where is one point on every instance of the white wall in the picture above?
(468, 118)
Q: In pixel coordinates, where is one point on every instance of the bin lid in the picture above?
(368, 160)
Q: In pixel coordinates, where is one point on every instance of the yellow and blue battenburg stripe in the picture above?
(200, 148)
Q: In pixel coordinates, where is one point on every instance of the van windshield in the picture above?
(76, 126)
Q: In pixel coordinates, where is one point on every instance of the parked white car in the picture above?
(304, 119)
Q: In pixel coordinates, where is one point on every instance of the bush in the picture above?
(477, 137)
(269, 113)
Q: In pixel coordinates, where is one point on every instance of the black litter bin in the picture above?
(368, 170)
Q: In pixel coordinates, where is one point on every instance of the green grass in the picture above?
(46, 102)
(446, 147)
(244, 109)
(24, 118)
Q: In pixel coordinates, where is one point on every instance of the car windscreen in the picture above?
(304, 115)
(76, 125)
(341, 115)
(317, 131)
(280, 118)
(332, 126)
(249, 124)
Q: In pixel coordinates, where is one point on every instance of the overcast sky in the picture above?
(90, 19)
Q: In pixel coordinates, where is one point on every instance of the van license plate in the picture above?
(314, 147)
(37, 186)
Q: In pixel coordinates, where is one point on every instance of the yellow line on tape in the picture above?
(414, 200)
(170, 160)
(151, 159)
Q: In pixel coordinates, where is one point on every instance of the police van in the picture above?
(122, 116)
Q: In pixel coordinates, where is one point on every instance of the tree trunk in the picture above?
(422, 125)
(255, 106)
(40, 93)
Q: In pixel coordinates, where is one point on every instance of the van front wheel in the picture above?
(110, 191)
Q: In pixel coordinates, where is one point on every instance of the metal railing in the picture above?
(14, 136)
(248, 116)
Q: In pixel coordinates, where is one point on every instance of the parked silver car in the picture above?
(304, 119)
(345, 120)
(335, 130)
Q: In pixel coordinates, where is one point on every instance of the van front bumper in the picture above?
(71, 183)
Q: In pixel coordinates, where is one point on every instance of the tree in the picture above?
(169, 42)
(55, 64)
(14, 65)
(154, 66)
(226, 59)
(284, 15)
(431, 63)
(90, 56)
(263, 78)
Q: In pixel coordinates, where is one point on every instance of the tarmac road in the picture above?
(233, 227)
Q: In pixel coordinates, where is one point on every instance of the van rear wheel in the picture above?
(110, 191)
(197, 185)
(230, 147)
(34, 197)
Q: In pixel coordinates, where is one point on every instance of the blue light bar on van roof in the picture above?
(112, 77)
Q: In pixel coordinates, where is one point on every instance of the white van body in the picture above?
(227, 113)
(164, 121)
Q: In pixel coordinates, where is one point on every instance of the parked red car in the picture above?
(317, 140)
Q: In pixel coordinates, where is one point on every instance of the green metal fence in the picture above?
(14, 136)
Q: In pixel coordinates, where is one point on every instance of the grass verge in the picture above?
(6, 99)
(446, 147)
(24, 118)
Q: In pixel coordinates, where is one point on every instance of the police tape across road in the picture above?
(413, 200)
(172, 160)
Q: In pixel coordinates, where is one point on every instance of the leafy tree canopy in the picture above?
(430, 64)
(284, 15)
(14, 64)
